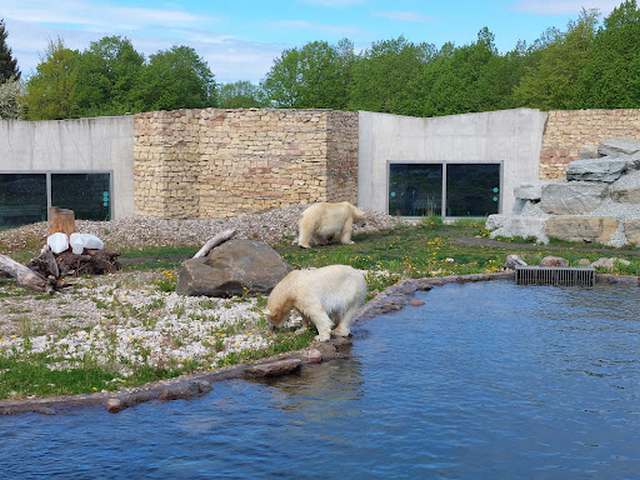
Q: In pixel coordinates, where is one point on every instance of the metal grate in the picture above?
(568, 277)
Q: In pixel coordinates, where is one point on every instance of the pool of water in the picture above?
(487, 380)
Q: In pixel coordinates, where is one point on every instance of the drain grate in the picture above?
(567, 277)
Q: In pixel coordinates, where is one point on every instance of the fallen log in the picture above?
(24, 276)
(214, 242)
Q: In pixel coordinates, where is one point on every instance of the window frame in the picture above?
(48, 174)
(444, 164)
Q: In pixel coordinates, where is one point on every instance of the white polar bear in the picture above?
(325, 296)
(324, 222)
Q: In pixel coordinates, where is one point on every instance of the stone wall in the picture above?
(568, 131)
(215, 163)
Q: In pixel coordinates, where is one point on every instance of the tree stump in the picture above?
(61, 220)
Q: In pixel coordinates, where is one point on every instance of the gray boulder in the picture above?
(517, 226)
(528, 191)
(582, 228)
(572, 198)
(514, 261)
(605, 169)
(231, 269)
(627, 188)
(551, 261)
(609, 264)
(589, 151)
(619, 146)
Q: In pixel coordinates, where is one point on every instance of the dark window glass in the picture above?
(23, 199)
(87, 194)
(415, 190)
(473, 190)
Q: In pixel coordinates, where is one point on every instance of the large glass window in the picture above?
(87, 194)
(23, 199)
(415, 190)
(473, 190)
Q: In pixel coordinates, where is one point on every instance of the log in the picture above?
(214, 242)
(45, 264)
(23, 275)
(61, 220)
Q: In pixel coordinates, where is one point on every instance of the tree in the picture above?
(553, 81)
(9, 105)
(175, 78)
(241, 94)
(611, 79)
(8, 65)
(110, 69)
(315, 76)
(51, 92)
(386, 76)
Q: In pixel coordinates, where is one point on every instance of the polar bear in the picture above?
(324, 222)
(325, 296)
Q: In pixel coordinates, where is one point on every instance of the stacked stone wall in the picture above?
(568, 131)
(215, 163)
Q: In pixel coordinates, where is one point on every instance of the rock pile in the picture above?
(599, 202)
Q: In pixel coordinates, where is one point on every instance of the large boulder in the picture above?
(605, 169)
(517, 226)
(528, 191)
(233, 268)
(619, 146)
(632, 231)
(627, 188)
(579, 228)
(572, 198)
(554, 262)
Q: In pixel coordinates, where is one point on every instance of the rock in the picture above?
(509, 226)
(589, 151)
(609, 264)
(514, 261)
(185, 390)
(578, 228)
(584, 262)
(606, 170)
(627, 188)
(415, 302)
(114, 405)
(274, 369)
(233, 268)
(572, 197)
(528, 191)
(617, 146)
(632, 231)
(313, 356)
(551, 261)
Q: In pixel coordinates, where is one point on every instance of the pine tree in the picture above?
(8, 64)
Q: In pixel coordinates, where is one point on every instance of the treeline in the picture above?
(590, 64)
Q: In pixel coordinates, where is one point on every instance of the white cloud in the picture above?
(562, 7)
(403, 16)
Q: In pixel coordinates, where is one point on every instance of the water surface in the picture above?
(487, 380)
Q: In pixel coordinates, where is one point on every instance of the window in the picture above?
(473, 190)
(415, 190)
(470, 189)
(87, 194)
(23, 199)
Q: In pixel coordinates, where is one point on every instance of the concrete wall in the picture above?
(510, 137)
(102, 144)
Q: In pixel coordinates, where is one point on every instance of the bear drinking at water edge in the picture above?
(328, 297)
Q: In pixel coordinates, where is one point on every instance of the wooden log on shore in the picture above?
(214, 242)
(24, 276)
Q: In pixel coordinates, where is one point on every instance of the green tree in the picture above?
(51, 92)
(386, 77)
(8, 65)
(110, 69)
(611, 79)
(552, 82)
(241, 94)
(175, 78)
(315, 76)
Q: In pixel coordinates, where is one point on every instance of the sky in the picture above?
(240, 38)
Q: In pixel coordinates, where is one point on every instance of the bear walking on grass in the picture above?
(328, 297)
(325, 222)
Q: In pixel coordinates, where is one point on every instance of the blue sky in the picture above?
(240, 38)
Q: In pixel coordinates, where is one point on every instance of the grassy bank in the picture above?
(140, 303)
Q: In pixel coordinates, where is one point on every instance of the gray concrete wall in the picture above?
(103, 144)
(510, 137)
